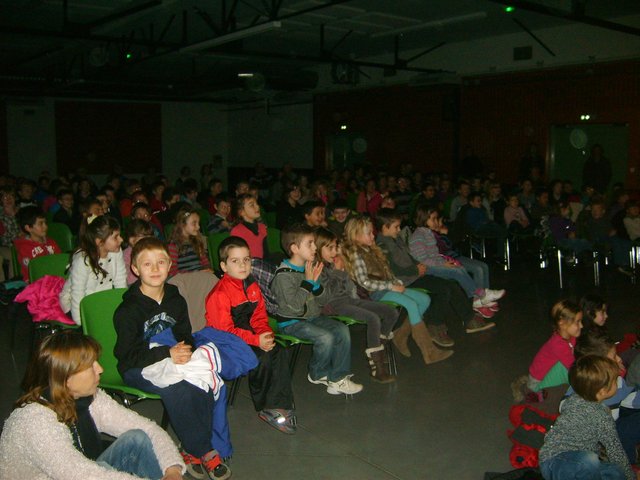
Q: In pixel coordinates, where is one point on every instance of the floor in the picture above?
(444, 421)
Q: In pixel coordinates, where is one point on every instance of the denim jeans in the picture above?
(132, 453)
(579, 465)
(477, 269)
(459, 274)
(331, 355)
(380, 318)
(413, 301)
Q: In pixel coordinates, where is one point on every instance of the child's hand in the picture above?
(422, 269)
(338, 263)
(313, 270)
(317, 270)
(180, 353)
(398, 288)
(267, 341)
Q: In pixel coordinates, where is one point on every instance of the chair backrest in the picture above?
(273, 240)
(96, 312)
(270, 219)
(55, 264)
(168, 230)
(205, 216)
(213, 242)
(62, 235)
(16, 264)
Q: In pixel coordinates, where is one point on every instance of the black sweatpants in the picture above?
(270, 381)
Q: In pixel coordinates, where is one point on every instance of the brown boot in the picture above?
(430, 353)
(401, 336)
(379, 372)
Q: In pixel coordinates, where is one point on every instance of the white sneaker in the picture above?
(483, 302)
(319, 381)
(492, 295)
(344, 385)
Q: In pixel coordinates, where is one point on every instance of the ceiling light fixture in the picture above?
(232, 37)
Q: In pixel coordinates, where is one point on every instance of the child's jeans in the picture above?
(579, 465)
(477, 269)
(459, 274)
(413, 301)
(380, 318)
(331, 355)
(132, 452)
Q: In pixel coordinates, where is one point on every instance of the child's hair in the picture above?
(423, 212)
(180, 238)
(223, 197)
(240, 200)
(630, 204)
(229, 243)
(308, 207)
(592, 373)
(385, 217)
(473, 196)
(147, 243)
(339, 203)
(28, 216)
(593, 343)
(100, 228)
(591, 304)
(138, 227)
(355, 227)
(564, 311)
(85, 207)
(62, 192)
(293, 235)
(324, 237)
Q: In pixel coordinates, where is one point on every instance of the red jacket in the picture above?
(29, 249)
(237, 307)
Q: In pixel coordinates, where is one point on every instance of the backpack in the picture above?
(530, 427)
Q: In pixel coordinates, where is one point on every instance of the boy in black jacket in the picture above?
(149, 307)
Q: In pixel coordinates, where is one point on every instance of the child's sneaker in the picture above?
(344, 385)
(482, 302)
(320, 381)
(213, 466)
(193, 464)
(494, 308)
(493, 295)
(281, 420)
(478, 324)
(486, 312)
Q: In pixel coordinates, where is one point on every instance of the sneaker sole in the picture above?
(486, 326)
(440, 343)
(332, 391)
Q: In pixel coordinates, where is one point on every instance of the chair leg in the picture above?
(391, 355)
(632, 264)
(294, 358)
(164, 423)
(233, 391)
(560, 268)
(596, 269)
(507, 254)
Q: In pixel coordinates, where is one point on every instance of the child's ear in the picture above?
(294, 248)
(135, 270)
(223, 267)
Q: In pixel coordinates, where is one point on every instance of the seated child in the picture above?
(340, 213)
(142, 211)
(97, 264)
(447, 298)
(551, 364)
(344, 300)
(148, 308)
(67, 214)
(563, 230)
(136, 230)
(300, 296)
(248, 227)
(515, 217)
(219, 222)
(370, 270)
(572, 448)
(313, 212)
(188, 247)
(35, 243)
(632, 220)
(594, 313)
(478, 220)
(430, 248)
(288, 210)
(236, 305)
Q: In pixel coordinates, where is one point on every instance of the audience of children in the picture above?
(187, 247)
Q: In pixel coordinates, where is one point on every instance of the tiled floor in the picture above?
(445, 421)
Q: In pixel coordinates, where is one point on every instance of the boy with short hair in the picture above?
(236, 305)
(149, 307)
(35, 242)
(314, 213)
(67, 214)
(340, 214)
(300, 297)
(464, 189)
(219, 222)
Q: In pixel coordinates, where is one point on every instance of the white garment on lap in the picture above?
(203, 370)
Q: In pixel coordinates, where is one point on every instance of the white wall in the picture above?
(282, 134)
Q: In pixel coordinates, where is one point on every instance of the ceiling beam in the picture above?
(122, 14)
(568, 15)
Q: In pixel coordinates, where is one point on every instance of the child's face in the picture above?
(634, 211)
(242, 188)
(543, 199)
(135, 239)
(295, 194)
(392, 230)
(143, 214)
(565, 212)
(527, 186)
(433, 222)
(341, 214)
(366, 237)
(513, 202)
(316, 217)
(152, 266)
(597, 211)
(464, 190)
(67, 201)
(613, 355)
(388, 202)
(329, 252)
(570, 328)
(250, 210)
(192, 225)
(306, 250)
(601, 316)
(95, 209)
(112, 242)
(216, 189)
(476, 202)
(38, 231)
(223, 209)
(238, 264)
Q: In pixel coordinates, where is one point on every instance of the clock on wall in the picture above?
(359, 145)
(578, 138)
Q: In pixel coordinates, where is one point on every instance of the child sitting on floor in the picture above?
(35, 243)
(188, 247)
(551, 364)
(300, 295)
(236, 305)
(344, 300)
(370, 270)
(97, 264)
(148, 308)
(572, 448)
(594, 313)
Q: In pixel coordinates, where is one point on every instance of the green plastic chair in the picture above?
(96, 312)
(289, 341)
(168, 230)
(16, 266)
(270, 219)
(62, 235)
(205, 216)
(273, 240)
(213, 242)
(55, 264)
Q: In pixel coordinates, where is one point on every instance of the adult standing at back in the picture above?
(597, 170)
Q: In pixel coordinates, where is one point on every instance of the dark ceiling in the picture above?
(194, 50)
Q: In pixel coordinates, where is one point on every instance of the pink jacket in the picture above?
(42, 300)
